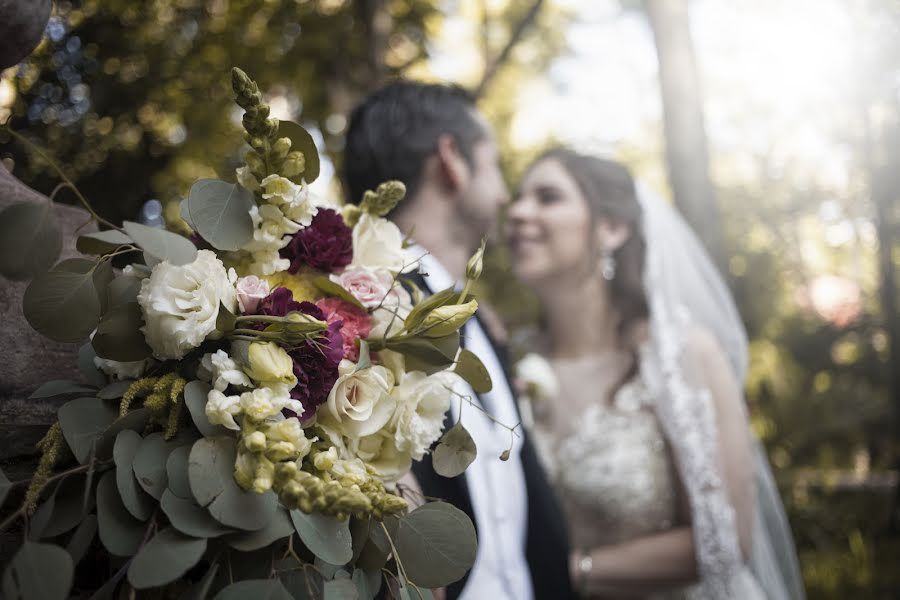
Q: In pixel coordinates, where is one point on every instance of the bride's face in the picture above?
(549, 225)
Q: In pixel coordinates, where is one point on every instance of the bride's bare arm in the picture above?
(668, 559)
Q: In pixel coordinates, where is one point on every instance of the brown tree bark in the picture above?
(687, 155)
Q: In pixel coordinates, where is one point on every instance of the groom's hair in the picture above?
(396, 129)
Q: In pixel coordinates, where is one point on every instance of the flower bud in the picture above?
(475, 264)
(444, 320)
(255, 442)
(270, 363)
(281, 147)
(294, 164)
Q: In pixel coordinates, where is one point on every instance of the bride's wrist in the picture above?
(581, 565)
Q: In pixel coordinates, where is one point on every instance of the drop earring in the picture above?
(608, 265)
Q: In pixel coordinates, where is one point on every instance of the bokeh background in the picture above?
(774, 126)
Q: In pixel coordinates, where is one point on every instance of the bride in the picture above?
(666, 493)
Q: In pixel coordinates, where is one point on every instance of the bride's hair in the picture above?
(610, 192)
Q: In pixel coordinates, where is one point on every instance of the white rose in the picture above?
(221, 409)
(181, 303)
(422, 403)
(222, 371)
(538, 377)
(378, 244)
(359, 403)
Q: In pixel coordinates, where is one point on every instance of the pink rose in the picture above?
(369, 286)
(250, 290)
(355, 323)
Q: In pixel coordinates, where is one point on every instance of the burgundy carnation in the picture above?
(326, 244)
(316, 363)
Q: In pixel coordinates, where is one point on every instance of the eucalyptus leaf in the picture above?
(187, 517)
(120, 533)
(455, 452)
(331, 288)
(119, 336)
(26, 576)
(102, 242)
(177, 472)
(437, 544)
(472, 370)
(62, 304)
(258, 589)
(103, 276)
(88, 369)
(366, 587)
(30, 240)
(161, 244)
(220, 213)
(115, 390)
(60, 387)
(211, 475)
(303, 584)
(301, 140)
(340, 589)
(107, 592)
(435, 352)
(279, 527)
(83, 421)
(66, 510)
(122, 290)
(82, 538)
(135, 420)
(150, 463)
(165, 558)
(195, 396)
(325, 536)
(136, 500)
(200, 590)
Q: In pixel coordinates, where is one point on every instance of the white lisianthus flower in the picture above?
(221, 409)
(422, 403)
(378, 244)
(360, 402)
(181, 303)
(536, 375)
(222, 371)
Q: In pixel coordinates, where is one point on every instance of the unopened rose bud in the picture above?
(444, 320)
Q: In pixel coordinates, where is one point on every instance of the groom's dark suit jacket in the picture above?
(547, 546)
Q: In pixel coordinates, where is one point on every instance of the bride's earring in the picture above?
(608, 265)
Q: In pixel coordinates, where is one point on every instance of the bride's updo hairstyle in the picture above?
(610, 192)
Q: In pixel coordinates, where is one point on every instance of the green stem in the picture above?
(68, 182)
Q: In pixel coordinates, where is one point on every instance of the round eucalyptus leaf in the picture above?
(340, 589)
(119, 336)
(242, 509)
(325, 536)
(102, 242)
(177, 472)
(120, 533)
(195, 396)
(303, 584)
(472, 370)
(455, 452)
(82, 538)
(258, 589)
(87, 368)
(83, 421)
(150, 464)
(62, 304)
(66, 510)
(103, 275)
(279, 527)
(115, 390)
(161, 244)
(26, 576)
(220, 213)
(190, 519)
(135, 499)
(60, 387)
(436, 543)
(122, 290)
(135, 420)
(30, 240)
(301, 140)
(200, 590)
(165, 558)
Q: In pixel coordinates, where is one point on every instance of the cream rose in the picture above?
(360, 402)
(422, 403)
(378, 244)
(181, 303)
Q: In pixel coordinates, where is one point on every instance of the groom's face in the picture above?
(484, 191)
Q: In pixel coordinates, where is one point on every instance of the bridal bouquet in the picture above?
(252, 395)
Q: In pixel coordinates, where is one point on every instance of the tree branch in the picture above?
(522, 26)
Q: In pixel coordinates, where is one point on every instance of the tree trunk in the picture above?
(686, 149)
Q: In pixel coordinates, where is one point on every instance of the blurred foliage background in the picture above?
(774, 127)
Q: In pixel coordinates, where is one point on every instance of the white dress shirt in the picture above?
(496, 488)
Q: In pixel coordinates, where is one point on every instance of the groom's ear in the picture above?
(453, 169)
(611, 235)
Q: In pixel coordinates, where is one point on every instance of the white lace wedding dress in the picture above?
(612, 468)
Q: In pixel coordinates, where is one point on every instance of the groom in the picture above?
(432, 138)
